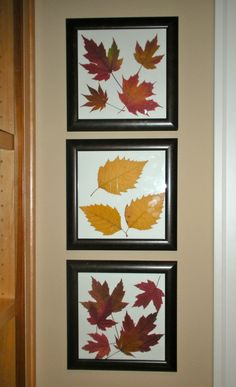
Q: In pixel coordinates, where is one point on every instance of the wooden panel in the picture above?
(6, 66)
(6, 140)
(7, 355)
(7, 232)
(7, 311)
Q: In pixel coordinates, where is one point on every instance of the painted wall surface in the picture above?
(195, 193)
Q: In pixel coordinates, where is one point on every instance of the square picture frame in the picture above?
(121, 315)
(122, 74)
(122, 194)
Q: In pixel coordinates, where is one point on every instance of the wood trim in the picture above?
(6, 140)
(19, 200)
(29, 105)
(25, 147)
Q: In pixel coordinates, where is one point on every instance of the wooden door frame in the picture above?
(24, 50)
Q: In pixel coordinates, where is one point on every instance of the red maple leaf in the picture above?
(101, 64)
(97, 99)
(146, 57)
(105, 304)
(150, 293)
(136, 338)
(99, 345)
(134, 96)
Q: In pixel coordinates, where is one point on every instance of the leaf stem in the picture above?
(116, 80)
(158, 280)
(115, 325)
(94, 191)
(139, 69)
(113, 354)
(115, 107)
(125, 232)
(123, 109)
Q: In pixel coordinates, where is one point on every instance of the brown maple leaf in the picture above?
(136, 338)
(99, 345)
(134, 96)
(97, 99)
(105, 304)
(146, 57)
(101, 65)
(150, 293)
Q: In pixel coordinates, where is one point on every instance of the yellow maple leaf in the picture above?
(143, 213)
(119, 175)
(103, 218)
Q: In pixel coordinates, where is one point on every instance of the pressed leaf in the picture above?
(105, 303)
(99, 345)
(119, 175)
(151, 292)
(97, 99)
(143, 213)
(104, 219)
(136, 338)
(116, 298)
(146, 57)
(100, 64)
(99, 313)
(134, 96)
(113, 57)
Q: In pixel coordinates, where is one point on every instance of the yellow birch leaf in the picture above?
(103, 218)
(119, 175)
(143, 213)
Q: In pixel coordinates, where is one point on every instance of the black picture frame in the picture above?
(82, 157)
(75, 120)
(111, 276)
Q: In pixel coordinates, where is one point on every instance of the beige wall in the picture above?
(195, 193)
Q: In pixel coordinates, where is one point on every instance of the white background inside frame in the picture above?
(151, 181)
(126, 41)
(157, 352)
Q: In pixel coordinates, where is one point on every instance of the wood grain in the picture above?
(6, 140)
(7, 227)
(7, 311)
(6, 66)
(7, 354)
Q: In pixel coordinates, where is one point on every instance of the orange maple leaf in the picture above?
(146, 57)
(97, 99)
(135, 95)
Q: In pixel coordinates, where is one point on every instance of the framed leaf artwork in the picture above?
(121, 315)
(122, 194)
(122, 74)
